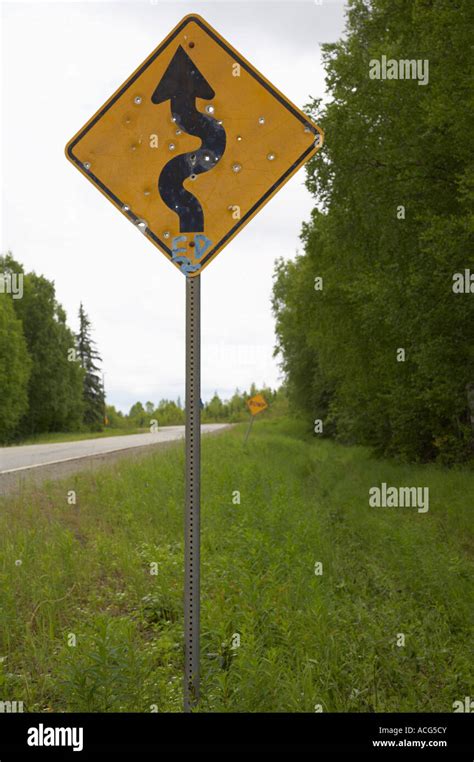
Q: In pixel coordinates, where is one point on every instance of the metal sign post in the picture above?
(248, 429)
(192, 538)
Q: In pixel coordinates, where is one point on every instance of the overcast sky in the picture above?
(60, 62)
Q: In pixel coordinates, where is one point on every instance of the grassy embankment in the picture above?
(304, 639)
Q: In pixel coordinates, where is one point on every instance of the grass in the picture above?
(86, 626)
(74, 436)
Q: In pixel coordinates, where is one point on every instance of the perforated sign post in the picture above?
(189, 149)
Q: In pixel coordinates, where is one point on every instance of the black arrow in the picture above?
(182, 83)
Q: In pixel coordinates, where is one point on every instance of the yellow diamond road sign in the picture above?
(193, 144)
(257, 404)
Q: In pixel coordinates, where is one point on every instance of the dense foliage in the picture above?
(392, 227)
(41, 376)
(15, 367)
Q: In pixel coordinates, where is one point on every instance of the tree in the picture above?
(55, 382)
(137, 415)
(236, 407)
(215, 409)
(115, 417)
(15, 368)
(393, 185)
(169, 413)
(93, 391)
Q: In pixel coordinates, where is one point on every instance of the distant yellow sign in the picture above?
(193, 144)
(257, 404)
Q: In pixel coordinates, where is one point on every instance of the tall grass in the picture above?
(85, 626)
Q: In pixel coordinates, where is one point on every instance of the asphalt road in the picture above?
(25, 457)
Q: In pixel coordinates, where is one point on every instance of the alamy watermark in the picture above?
(12, 283)
(466, 705)
(463, 283)
(401, 68)
(11, 707)
(400, 497)
(48, 736)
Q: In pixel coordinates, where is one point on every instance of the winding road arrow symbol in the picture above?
(182, 83)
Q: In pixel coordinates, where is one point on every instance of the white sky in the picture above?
(60, 62)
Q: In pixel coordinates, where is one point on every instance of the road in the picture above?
(25, 457)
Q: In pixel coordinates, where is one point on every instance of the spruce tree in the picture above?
(93, 390)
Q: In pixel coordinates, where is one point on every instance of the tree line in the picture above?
(172, 413)
(375, 316)
(49, 377)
